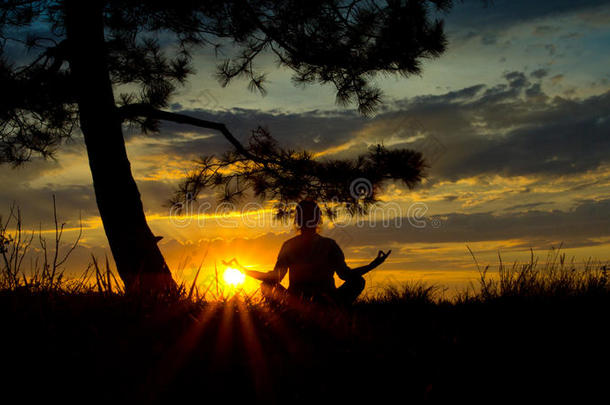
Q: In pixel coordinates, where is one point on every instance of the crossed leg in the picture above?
(347, 293)
(350, 290)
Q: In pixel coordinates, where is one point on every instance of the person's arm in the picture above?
(381, 256)
(345, 272)
(274, 276)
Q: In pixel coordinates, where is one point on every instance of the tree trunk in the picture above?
(138, 258)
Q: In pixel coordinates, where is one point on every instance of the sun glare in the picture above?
(233, 277)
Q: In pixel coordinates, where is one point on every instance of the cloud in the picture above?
(36, 204)
(582, 225)
(596, 18)
(555, 80)
(526, 206)
(501, 14)
(539, 73)
(543, 30)
(495, 130)
(507, 26)
(312, 130)
(510, 129)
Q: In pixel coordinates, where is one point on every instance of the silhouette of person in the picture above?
(311, 261)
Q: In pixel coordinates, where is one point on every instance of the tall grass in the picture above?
(47, 271)
(555, 277)
(417, 292)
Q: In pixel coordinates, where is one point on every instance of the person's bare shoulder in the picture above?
(326, 239)
(329, 241)
(290, 242)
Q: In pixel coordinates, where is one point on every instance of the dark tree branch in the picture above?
(287, 175)
(143, 110)
(148, 45)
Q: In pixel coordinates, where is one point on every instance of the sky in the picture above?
(514, 119)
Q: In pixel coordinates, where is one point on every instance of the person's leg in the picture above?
(273, 291)
(350, 290)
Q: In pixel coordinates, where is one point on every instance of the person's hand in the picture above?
(381, 256)
(233, 263)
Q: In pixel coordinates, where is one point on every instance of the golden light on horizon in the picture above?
(233, 277)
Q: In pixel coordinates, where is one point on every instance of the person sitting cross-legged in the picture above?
(311, 260)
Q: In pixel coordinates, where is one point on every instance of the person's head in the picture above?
(308, 216)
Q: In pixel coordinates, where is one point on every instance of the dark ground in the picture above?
(405, 348)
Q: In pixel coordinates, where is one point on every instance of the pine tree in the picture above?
(85, 50)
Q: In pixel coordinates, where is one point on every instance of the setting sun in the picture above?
(233, 277)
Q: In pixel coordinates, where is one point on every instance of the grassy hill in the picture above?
(532, 333)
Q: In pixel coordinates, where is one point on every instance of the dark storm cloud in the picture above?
(490, 22)
(500, 14)
(453, 96)
(557, 148)
(535, 91)
(526, 206)
(540, 73)
(509, 129)
(517, 80)
(585, 222)
(543, 30)
(36, 204)
(513, 128)
(314, 130)
(156, 194)
(501, 131)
